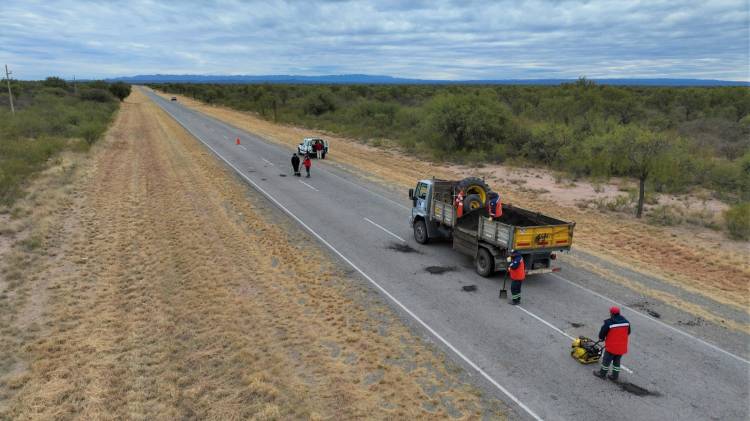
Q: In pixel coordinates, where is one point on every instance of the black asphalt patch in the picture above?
(645, 306)
(637, 390)
(437, 270)
(574, 324)
(695, 322)
(469, 288)
(282, 175)
(403, 248)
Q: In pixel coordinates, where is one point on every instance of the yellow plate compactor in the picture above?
(585, 350)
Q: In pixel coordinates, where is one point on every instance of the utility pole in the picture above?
(10, 93)
(75, 89)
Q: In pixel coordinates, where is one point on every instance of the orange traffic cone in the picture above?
(238, 140)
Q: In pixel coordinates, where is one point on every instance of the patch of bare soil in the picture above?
(168, 293)
(697, 259)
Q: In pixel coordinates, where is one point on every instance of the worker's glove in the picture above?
(509, 259)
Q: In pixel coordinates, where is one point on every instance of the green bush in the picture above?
(55, 82)
(738, 221)
(120, 90)
(98, 95)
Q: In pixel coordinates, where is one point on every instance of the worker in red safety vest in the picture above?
(614, 333)
(517, 271)
(459, 204)
(494, 206)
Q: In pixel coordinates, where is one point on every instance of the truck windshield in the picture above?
(421, 192)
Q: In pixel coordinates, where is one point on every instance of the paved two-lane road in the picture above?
(518, 353)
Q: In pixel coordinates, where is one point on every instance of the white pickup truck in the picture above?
(308, 146)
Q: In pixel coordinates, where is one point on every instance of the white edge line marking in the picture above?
(559, 330)
(267, 161)
(308, 185)
(243, 147)
(708, 344)
(383, 228)
(471, 363)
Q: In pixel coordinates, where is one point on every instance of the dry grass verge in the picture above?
(170, 294)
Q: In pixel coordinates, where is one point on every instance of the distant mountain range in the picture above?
(388, 80)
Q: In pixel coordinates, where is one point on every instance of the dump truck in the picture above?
(488, 240)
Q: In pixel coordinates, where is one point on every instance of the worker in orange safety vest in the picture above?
(517, 271)
(459, 204)
(614, 333)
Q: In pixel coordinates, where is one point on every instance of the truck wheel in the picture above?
(485, 262)
(473, 202)
(420, 232)
(474, 185)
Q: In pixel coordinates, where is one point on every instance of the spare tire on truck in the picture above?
(473, 202)
(475, 189)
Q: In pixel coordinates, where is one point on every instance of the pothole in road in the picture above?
(469, 288)
(437, 270)
(574, 324)
(401, 247)
(637, 390)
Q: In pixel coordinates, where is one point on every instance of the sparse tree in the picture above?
(637, 152)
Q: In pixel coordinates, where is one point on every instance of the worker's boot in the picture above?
(600, 373)
(614, 375)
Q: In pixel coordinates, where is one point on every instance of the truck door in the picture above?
(421, 195)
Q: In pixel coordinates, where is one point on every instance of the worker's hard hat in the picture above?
(614, 310)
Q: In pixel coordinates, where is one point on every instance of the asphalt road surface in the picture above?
(520, 354)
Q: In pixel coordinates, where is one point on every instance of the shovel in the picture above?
(504, 292)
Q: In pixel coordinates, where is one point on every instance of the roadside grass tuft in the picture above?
(738, 221)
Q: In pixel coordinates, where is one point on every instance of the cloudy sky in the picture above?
(416, 39)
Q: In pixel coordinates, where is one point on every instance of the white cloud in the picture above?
(426, 39)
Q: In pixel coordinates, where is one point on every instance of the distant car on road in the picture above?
(174, 98)
(308, 146)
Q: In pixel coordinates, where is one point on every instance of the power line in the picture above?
(10, 93)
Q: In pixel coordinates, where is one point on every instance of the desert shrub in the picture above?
(91, 131)
(702, 217)
(738, 221)
(665, 215)
(318, 103)
(120, 90)
(619, 203)
(98, 95)
(55, 82)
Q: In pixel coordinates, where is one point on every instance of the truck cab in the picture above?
(308, 146)
(422, 197)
